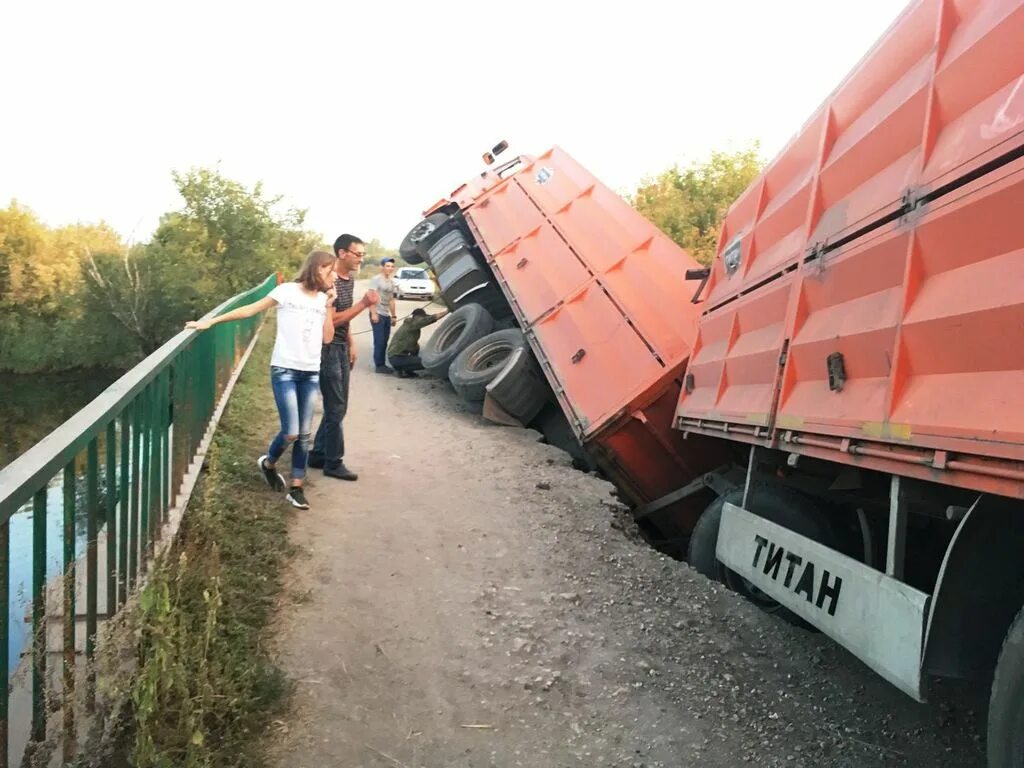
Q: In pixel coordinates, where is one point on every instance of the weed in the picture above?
(205, 685)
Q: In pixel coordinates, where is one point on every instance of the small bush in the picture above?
(205, 684)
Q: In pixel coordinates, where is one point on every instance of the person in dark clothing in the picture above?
(404, 349)
(337, 359)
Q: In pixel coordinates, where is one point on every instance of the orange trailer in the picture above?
(862, 341)
(602, 299)
(835, 429)
(866, 282)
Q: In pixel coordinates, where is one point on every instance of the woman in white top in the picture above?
(305, 321)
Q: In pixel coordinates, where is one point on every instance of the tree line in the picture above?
(688, 203)
(79, 296)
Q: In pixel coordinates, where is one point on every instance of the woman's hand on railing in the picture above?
(197, 325)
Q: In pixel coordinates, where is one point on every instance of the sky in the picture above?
(366, 113)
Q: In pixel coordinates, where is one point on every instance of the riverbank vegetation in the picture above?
(206, 686)
(79, 296)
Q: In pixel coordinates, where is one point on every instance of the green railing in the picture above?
(139, 438)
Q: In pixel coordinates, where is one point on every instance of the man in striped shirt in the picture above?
(336, 360)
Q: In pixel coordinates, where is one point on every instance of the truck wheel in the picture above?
(789, 509)
(482, 361)
(456, 332)
(409, 250)
(704, 542)
(1006, 706)
(520, 388)
(445, 250)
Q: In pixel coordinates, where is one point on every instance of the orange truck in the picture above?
(572, 314)
(829, 419)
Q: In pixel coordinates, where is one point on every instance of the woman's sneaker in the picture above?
(297, 498)
(271, 475)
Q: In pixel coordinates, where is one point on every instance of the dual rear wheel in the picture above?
(778, 504)
(479, 360)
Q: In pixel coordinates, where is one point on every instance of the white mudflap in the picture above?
(877, 618)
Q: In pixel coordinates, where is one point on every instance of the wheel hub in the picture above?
(491, 355)
(421, 231)
(450, 334)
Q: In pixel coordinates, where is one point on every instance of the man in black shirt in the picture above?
(336, 360)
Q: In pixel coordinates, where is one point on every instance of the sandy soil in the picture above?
(474, 601)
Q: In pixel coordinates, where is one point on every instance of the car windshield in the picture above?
(413, 274)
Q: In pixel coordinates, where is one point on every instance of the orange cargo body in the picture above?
(465, 194)
(867, 302)
(602, 297)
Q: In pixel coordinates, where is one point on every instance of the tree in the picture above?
(374, 253)
(688, 204)
(119, 288)
(22, 241)
(225, 239)
(44, 323)
(229, 234)
(58, 286)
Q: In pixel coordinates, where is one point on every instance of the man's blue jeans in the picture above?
(295, 395)
(381, 334)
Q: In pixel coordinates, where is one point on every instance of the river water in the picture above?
(32, 406)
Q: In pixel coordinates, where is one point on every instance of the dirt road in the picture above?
(474, 601)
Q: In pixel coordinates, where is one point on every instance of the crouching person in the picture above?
(404, 349)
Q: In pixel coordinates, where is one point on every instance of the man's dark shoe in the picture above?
(271, 475)
(340, 472)
(384, 369)
(297, 498)
(315, 463)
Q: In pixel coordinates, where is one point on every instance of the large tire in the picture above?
(462, 275)
(1006, 705)
(456, 332)
(480, 363)
(701, 553)
(411, 249)
(446, 250)
(776, 503)
(521, 389)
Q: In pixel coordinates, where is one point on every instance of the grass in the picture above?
(206, 687)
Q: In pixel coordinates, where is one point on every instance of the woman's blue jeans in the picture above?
(295, 394)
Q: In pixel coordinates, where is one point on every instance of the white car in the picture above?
(413, 283)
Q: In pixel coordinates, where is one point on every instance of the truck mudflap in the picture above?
(878, 619)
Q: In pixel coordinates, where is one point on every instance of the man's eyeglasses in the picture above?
(360, 254)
